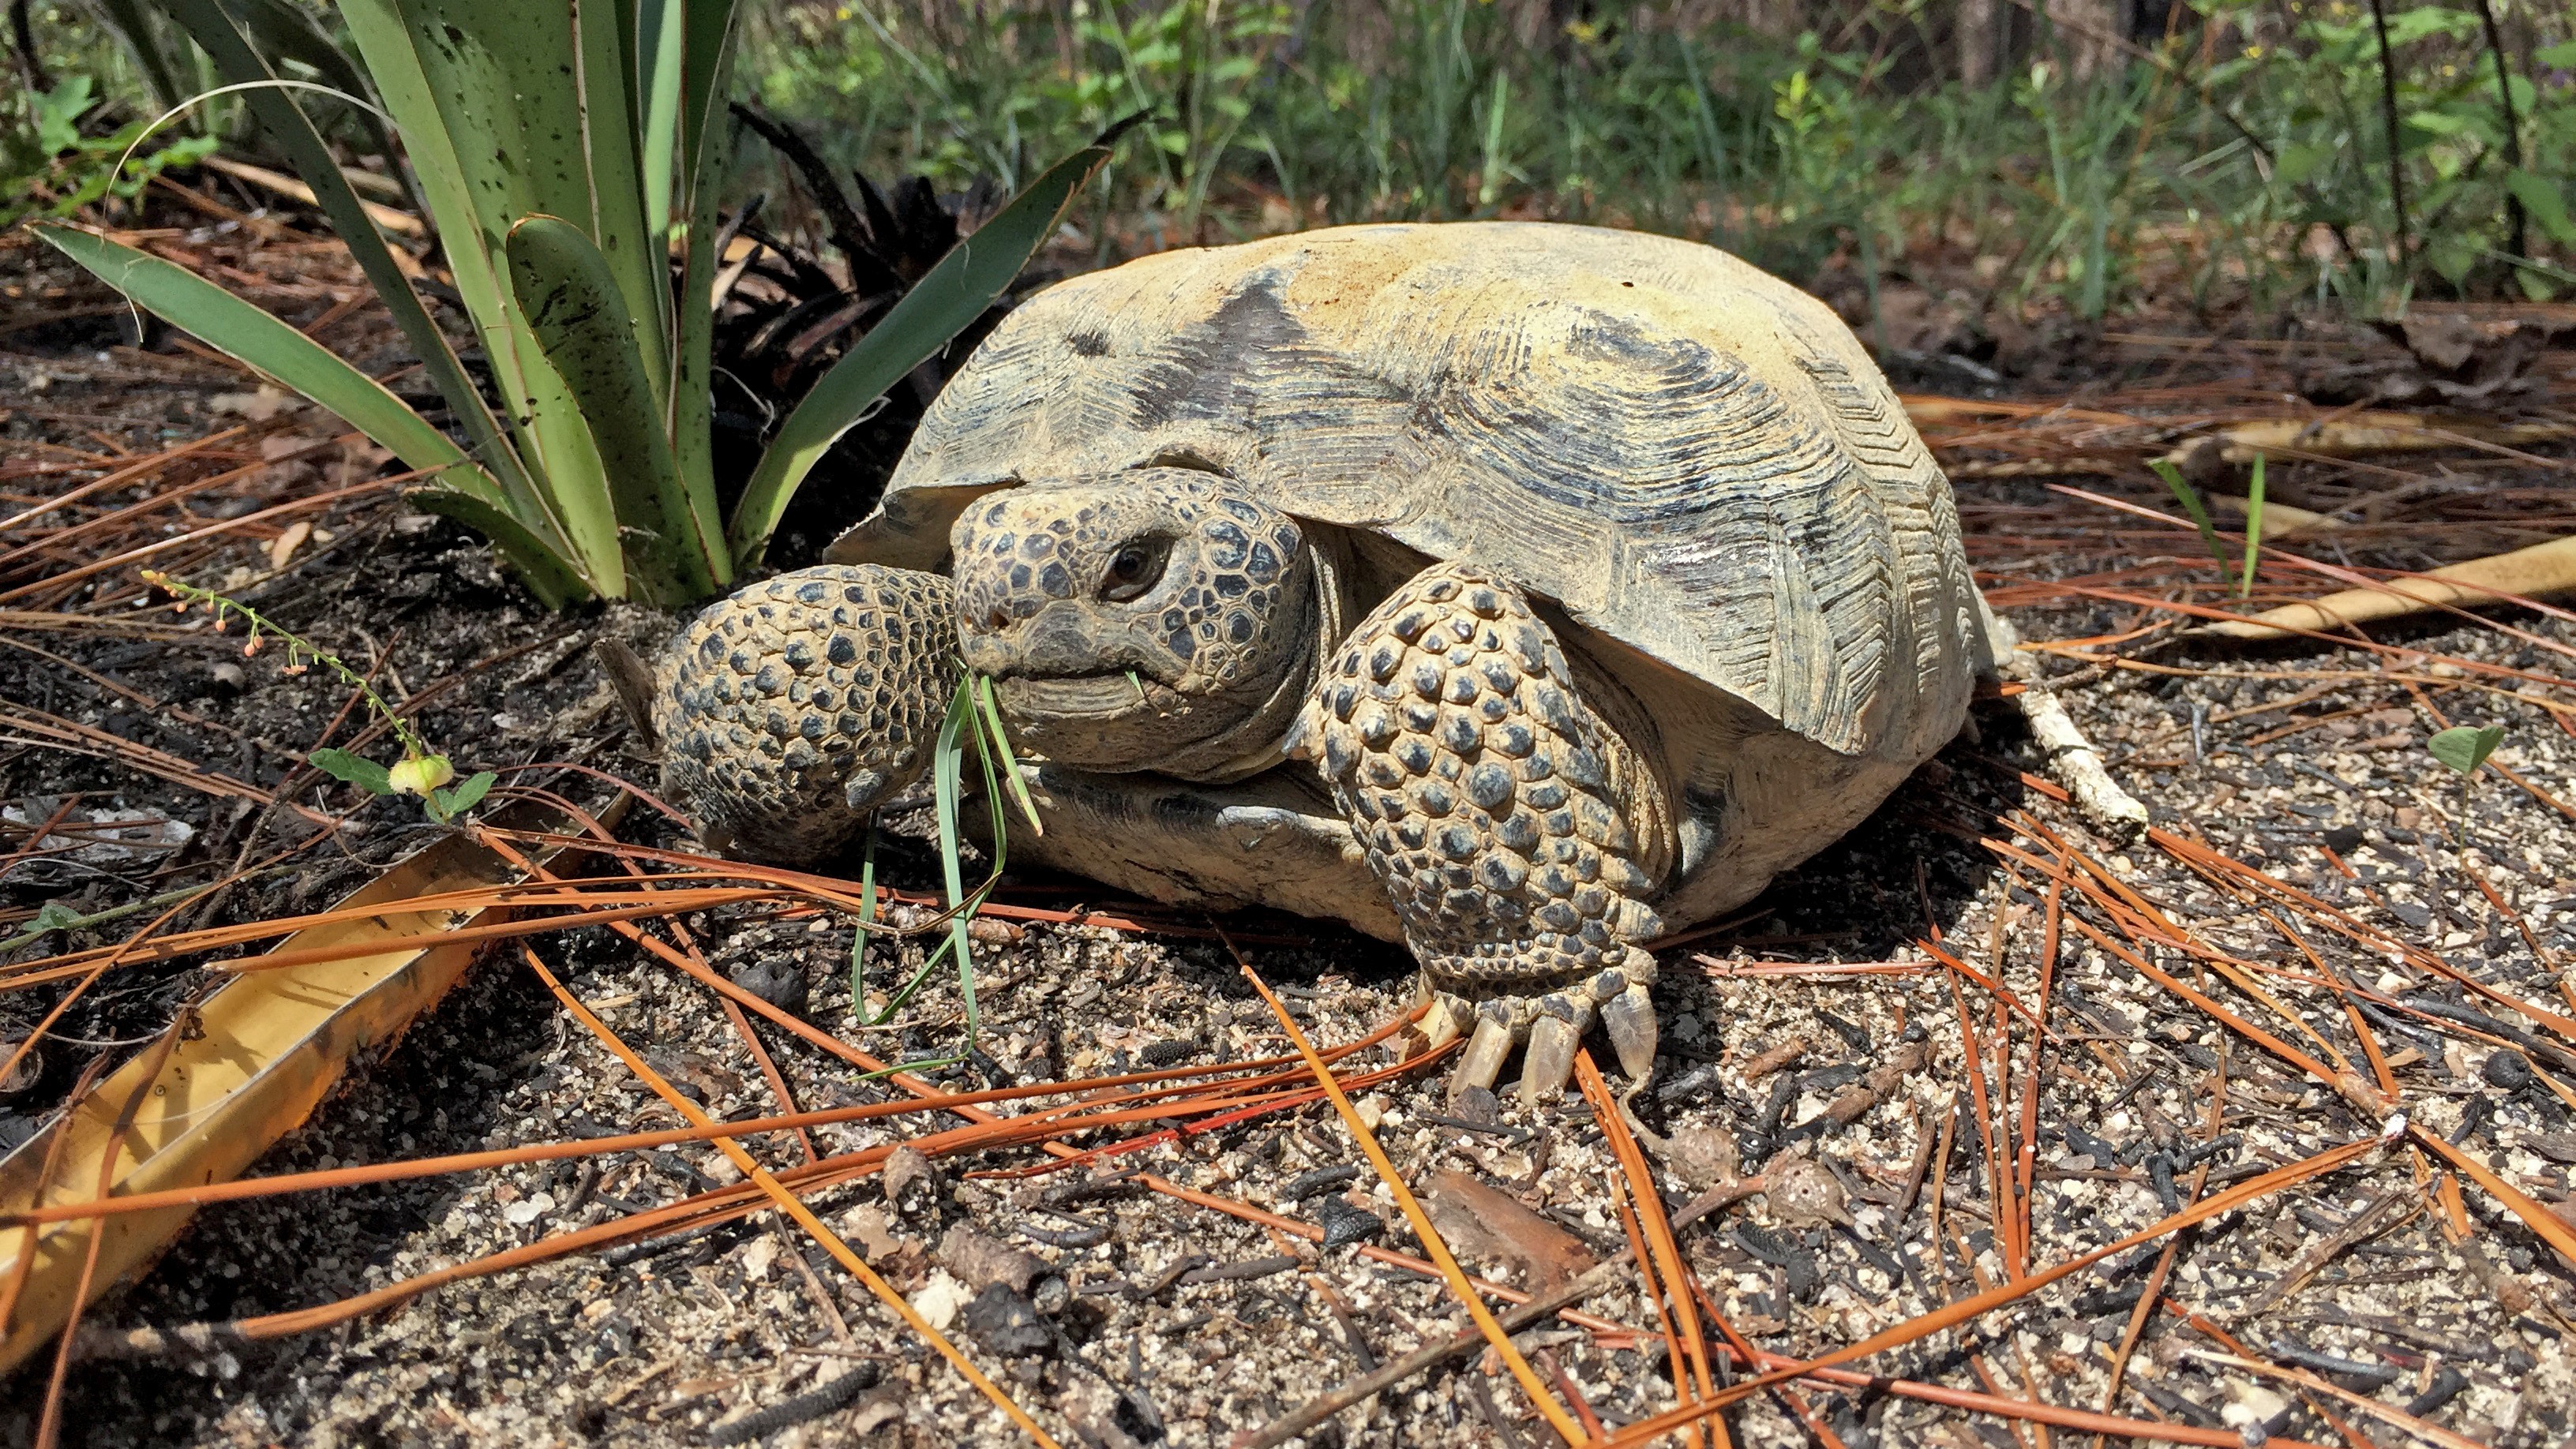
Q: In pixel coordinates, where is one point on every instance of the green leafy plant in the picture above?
(974, 719)
(49, 168)
(568, 158)
(2253, 142)
(2253, 529)
(2464, 750)
(421, 771)
(50, 917)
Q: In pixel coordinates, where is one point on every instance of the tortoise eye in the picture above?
(1134, 568)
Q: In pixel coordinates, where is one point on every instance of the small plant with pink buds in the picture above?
(421, 771)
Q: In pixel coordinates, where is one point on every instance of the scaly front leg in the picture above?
(1517, 833)
(791, 710)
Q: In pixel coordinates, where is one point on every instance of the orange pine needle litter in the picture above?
(1429, 1236)
(792, 1205)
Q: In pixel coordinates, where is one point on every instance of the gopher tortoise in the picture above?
(1523, 592)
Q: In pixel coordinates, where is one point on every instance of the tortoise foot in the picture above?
(1515, 830)
(793, 709)
(1550, 1026)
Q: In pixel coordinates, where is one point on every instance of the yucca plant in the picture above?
(570, 156)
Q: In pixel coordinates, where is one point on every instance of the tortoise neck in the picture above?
(1259, 741)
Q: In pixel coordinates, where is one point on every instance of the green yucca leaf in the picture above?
(953, 294)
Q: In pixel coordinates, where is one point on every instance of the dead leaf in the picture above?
(282, 548)
(869, 1225)
(1702, 1157)
(983, 1262)
(909, 1180)
(881, 1407)
(257, 406)
(2450, 358)
(1483, 1221)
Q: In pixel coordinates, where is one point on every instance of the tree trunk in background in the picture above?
(2087, 31)
(1976, 36)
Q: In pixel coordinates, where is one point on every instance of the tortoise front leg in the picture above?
(794, 708)
(1512, 827)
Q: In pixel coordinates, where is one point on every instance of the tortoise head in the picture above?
(1157, 619)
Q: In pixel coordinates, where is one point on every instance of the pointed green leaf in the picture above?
(706, 59)
(2189, 498)
(567, 498)
(541, 568)
(999, 753)
(286, 31)
(286, 123)
(2464, 749)
(2253, 529)
(535, 99)
(2545, 202)
(953, 294)
(377, 29)
(456, 801)
(580, 319)
(661, 32)
(351, 769)
(259, 339)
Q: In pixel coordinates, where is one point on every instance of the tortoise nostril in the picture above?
(997, 621)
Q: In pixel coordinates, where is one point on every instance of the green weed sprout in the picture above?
(421, 771)
(973, 716)
(2464, 749)
(2253, 529)
(48, 168)
(2189, 498)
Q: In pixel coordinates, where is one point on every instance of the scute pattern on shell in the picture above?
(1450, 730)
(794, 706)
(1692, 457)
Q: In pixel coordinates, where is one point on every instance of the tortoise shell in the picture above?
(1695, 460)
(1683, 451)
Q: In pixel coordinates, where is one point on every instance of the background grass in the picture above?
(2089, 156)
(2234, 157)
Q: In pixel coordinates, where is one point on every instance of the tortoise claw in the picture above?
(1483, 1059)
(1441, 1023)
(1550, 1062)
(1629, 1017)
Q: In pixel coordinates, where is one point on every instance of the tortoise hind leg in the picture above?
(1515, 831)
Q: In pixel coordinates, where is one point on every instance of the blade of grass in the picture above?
(867, 918)
(2253, 529)
(1009, 763)
(2189, 498)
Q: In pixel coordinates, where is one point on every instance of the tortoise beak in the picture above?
(1096, 721)
(1096, 699)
